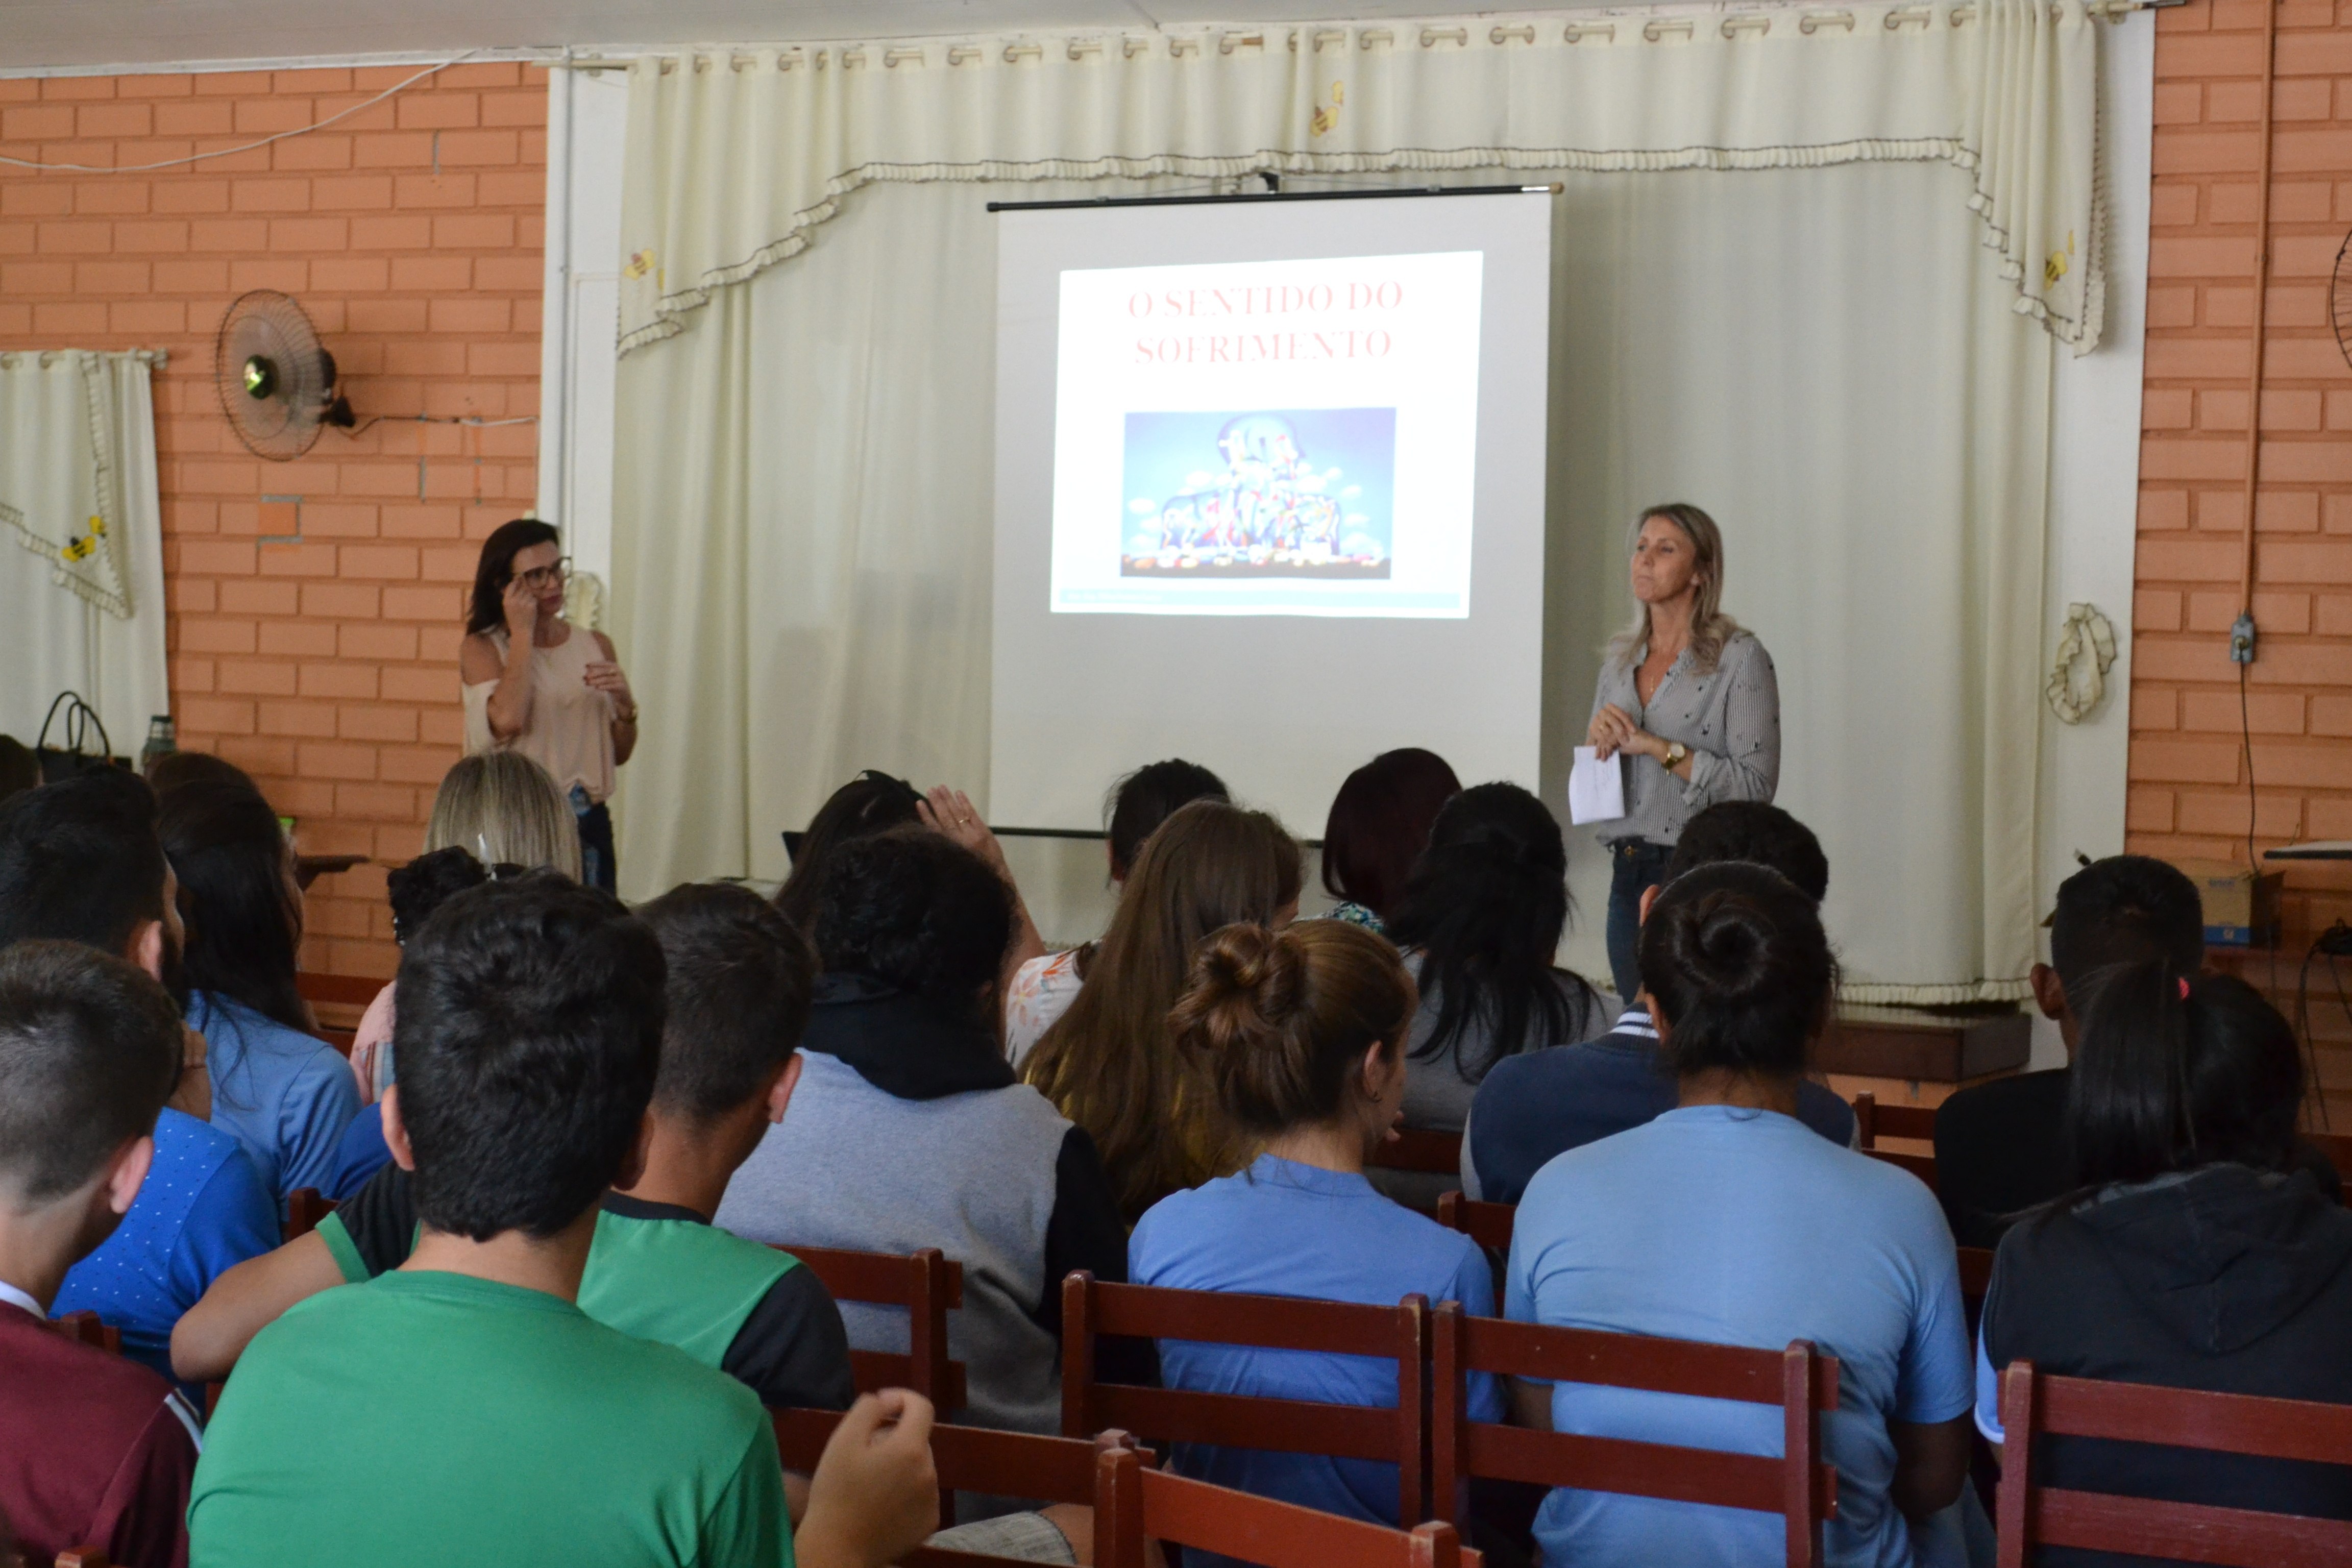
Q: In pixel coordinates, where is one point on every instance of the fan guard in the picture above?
(275, 380)
(2339, 298)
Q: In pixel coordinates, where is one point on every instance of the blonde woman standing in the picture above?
(536, 685)
(1689, 700)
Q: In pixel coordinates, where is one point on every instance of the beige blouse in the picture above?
(570, 729)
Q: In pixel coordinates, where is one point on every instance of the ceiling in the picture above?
(86, 33)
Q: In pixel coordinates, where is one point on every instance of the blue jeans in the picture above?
(597, 868)
(1635, 866)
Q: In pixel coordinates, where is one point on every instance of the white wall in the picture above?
(587, 112)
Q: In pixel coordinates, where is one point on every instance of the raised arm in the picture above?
(478, 661)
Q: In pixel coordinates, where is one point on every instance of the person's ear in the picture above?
(2049, 992)
(395, 1130)
(147, 948)
(633, 1169)
(780, 1093)
(130, 1170)
(1383, 1071)
(1649, 902)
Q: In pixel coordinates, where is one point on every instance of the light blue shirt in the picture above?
(1280, 1228)
(1743, 1228)
(286, 1096)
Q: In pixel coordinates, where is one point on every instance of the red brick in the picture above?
(344, 680)
(2185, 761)
(2296, 561)
(2266, 712)
(303, 721)
(298, 639)
(213, 716)
(447, 190)
(262, 678)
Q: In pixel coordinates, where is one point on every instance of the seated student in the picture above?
(1042, 988)
(1109, 1063)
(503, 1422)
(1378, 827)
(1533, 1106)
(1728, 1220)
(99, 1449)
(80, 861)
(873, 803)
(739, 978)
(278, 1089)
(908, 1130)
(2001, 1147)
(1303, 1033)
(2192, 1251)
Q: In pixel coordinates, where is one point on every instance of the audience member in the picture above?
(503, 809)
(2001, 1147)
(172, 769)
(530, 1044)
(1727, 1220)
(872, 802)
(2192, 1252)
(1535, 1106)
(908, 1128)
(1042, 988)
(80, 861)
(1109, 1063)
(100, 1449)
(1303, 1033)
(1379, 825)
(277, 1088)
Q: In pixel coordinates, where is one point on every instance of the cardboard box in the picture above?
(2242, 910)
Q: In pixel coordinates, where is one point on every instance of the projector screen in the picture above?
(1269, 494)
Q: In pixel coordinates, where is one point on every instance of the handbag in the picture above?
(73, 759)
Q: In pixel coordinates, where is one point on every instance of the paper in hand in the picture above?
(1596, 790)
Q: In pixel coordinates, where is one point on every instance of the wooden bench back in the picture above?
(2034, 1405)
(1421, 1149)
(86, 1326)
(1488, 1224)
(1135, 1504)
(929, 1285)
(1091, 1308)
(304, 1209)
(1800, 1485)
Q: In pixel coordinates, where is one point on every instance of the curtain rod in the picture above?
(1277, 193)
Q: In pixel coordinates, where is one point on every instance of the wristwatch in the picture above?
(1676, 752)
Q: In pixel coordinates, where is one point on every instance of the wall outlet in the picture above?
(2241, 640)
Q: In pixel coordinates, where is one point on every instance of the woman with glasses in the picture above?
(536, 685)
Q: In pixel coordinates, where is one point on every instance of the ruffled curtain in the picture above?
(735, 159)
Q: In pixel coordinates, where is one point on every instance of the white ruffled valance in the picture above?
(734, 159)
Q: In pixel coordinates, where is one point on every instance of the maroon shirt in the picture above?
(95, 1450)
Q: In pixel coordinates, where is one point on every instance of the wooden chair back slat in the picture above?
(1421, 1149)
(88, 1329)
(1798, 1485)
(305, 1207)
(1976, 1272)
(1488, 1224)
(971, 1458)
(337, 990)
(1134, 1504)
(2036, 1407)
(928, 1285)
(1091, 1308)
(870, 1372)
(2337, 1147)
(1873, 1121)
(83, 1557)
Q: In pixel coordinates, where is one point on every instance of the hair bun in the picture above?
(1249, 976)
(1725, 943)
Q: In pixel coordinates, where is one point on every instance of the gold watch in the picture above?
(1676, 753)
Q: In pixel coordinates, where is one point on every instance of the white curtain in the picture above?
(81, 548)
(736, 160)
(803, 495)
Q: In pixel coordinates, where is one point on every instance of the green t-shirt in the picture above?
(427, 1418)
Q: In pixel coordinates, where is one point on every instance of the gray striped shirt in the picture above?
(1730, 719)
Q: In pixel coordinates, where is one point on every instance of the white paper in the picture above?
(1596, 790)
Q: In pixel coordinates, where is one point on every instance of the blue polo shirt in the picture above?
(1542, 1103)
(1744, 1227)
(1280, 1228)
(361, 1154)
(201, 1212)
(285, 1095)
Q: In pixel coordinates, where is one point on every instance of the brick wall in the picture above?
(410, 232)
(2189, 784)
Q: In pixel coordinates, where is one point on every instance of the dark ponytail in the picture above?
(2173, 1072)
(1736, 959)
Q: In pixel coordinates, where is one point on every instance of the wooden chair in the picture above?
(928, 1286)
(2337, 1147)
(83, 1557)
(1488, 1224)
(304, 1209)
(1799, 1486)
(347, 991)
(1091, 1308)
(85, 1326)
(2034, 1405)
(1873, 1122)
(1421, 1149)
(1135, 1504)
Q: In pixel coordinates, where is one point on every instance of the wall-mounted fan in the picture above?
(276, 380)
(2340, 296)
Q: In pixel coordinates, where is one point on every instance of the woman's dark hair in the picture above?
(1380, 823)
(1144, 799)
(427, 882)
(1735, 957)
(485, 611)
(1486, 904)
(2163, 1081)
(174, 769)
(917, 912)
(244, 915)
(870, 803)
(1279, 1020)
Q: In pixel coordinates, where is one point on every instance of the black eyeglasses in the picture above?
(546, 576)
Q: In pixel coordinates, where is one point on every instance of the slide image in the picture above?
(1270, 494)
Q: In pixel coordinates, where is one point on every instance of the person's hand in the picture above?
(951, 814)
(602, 675)
(1611, 731)
(876, 1495)
(520, 603)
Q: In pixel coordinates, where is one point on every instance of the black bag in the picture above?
(74, 759)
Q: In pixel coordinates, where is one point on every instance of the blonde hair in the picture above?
(503, 809)
(1710, 628)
